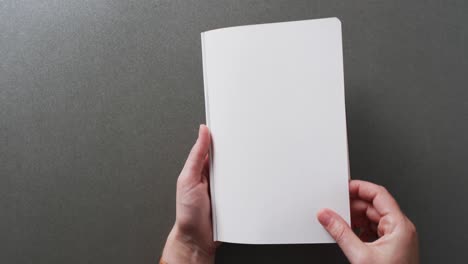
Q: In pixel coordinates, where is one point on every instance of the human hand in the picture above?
(191, 238)
(376, 213)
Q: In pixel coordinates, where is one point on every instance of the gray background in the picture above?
(100, 102)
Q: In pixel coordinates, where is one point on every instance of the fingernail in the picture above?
(325, 218)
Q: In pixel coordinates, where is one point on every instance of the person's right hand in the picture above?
(376, 213)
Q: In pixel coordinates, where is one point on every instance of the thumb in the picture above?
(196, 160)
(349, 243)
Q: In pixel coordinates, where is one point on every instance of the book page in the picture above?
(276, 110)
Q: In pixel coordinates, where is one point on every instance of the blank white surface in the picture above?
(276, 110)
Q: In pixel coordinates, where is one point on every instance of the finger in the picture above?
(378, 196)
(349, 243)
(196, 160)
(360, 208)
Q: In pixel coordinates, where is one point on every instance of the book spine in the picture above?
(208, 123)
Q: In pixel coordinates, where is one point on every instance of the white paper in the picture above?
(275, 106)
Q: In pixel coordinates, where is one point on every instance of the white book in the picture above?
(275, 105)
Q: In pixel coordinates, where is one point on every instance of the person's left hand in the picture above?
(191, 238)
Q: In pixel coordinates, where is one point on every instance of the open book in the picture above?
(275, 106)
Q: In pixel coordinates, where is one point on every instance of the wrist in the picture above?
(181, 248)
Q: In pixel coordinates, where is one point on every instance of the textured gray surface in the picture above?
(100, 101)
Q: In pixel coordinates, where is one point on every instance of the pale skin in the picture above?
(386, 234)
